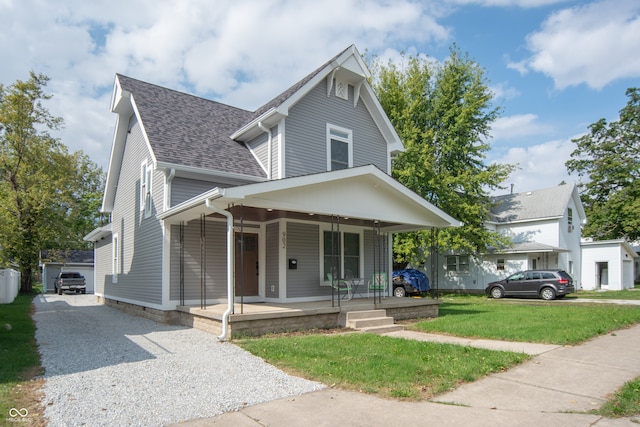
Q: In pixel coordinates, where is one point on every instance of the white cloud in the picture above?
(539, 166)
(504, 91)
(593, 44)
(506, 128)
(242, 52)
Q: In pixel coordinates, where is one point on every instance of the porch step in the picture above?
(373, 321)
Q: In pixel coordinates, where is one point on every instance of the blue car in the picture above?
(409, 282)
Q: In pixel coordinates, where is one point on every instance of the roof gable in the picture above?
(347, 66)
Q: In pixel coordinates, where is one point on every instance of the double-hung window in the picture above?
(341, 254)
(339, 148)
(145, 188)
(457, 263)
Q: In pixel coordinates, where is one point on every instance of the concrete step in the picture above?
(370, 322)
(383, 329)
(365, 314)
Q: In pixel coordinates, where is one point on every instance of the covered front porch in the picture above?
(286, 247)
(262, 318)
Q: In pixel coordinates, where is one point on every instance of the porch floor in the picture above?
(260, 318)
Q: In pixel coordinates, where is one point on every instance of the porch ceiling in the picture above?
(357, 195)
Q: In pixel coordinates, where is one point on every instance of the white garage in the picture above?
(607, 265)
(53, 262)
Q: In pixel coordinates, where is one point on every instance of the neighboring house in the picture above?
(209, 202)
(53, 262)
(608, 264)
(544, 228)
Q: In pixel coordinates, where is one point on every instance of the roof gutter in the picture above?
(230, 264)
(269, 146)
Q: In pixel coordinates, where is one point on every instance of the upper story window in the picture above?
(145, 188)
(570, 218)
(339, 148)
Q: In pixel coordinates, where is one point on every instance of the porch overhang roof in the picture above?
(363, 193)
(531, 247)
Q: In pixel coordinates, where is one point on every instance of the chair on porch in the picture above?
(378, 284)
(340, 285)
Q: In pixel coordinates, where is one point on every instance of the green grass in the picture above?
(19, 357)
(625, 403)
(527, 320)
(388, 367)
(630, 294)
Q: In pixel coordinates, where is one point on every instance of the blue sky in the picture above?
(555, 66)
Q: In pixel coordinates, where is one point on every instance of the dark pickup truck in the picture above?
(70, 281)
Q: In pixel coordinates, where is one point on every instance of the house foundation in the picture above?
(264, 318)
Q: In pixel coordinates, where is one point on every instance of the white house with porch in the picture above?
(544, 229)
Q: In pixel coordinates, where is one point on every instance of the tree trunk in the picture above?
(26, 280)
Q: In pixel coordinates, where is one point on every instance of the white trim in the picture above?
(115, 258)
(281, 152)
(347, 140)
(166, 263)
(343, 229)
(146, 188)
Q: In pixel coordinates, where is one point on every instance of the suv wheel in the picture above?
(399, 292)
(497, 292)
(59, 291)
(547, 294)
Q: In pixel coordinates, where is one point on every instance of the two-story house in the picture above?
(544, 229)
(212, 204)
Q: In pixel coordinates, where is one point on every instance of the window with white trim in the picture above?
(145, 188)
(115, 266)
(341, 253)
(339, 148)
(457, 263)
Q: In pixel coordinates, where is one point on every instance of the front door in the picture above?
(247, 268)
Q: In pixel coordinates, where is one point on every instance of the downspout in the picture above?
(230, 264)
(269, 147)
(167, 192)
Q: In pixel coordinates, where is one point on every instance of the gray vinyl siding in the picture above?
(305, 146)
(260, 147)
(140, 239)
(216, 261)
(375, 256)
(102, 266)
(303, 244)
(183, 189)
(272, 271)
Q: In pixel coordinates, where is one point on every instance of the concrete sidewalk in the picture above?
(541, 392)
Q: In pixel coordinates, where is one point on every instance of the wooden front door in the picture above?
(247, 268)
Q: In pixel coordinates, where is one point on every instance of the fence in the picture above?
(9, 285)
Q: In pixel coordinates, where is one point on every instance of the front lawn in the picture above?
(527, 320)
(388, 367)
(397, 368)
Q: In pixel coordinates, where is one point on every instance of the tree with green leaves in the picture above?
(443, 113)
(47, 195)
(609, 157)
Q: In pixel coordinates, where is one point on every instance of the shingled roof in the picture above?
(278, 100)
(546, 203)
(190, 131)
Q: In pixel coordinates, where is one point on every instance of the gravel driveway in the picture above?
(106, 368)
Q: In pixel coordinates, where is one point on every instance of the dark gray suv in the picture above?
(546, 284)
